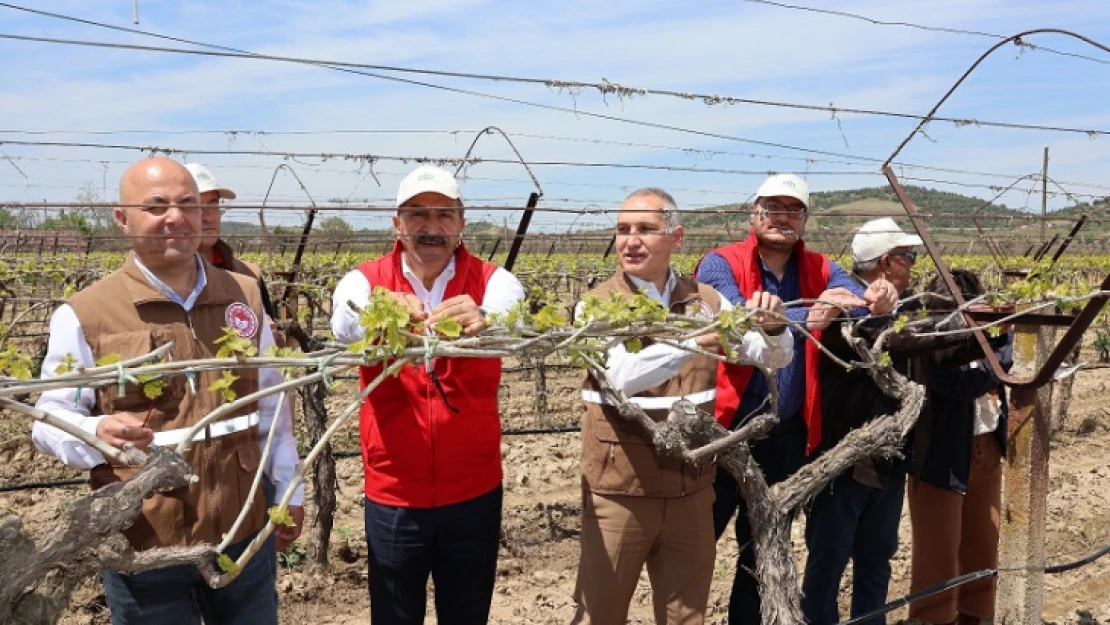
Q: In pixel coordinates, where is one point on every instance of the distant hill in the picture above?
(842, 211)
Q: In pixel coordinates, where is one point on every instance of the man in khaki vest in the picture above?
(165, 292)
(638, 507)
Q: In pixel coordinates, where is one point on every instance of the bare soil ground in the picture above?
(536, 572)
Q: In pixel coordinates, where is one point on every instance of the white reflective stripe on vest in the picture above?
(214, 430)
(652, 403)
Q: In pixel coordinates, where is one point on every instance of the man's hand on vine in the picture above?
(284, 534)
(412, 303)
(461, 308)
(832, 302)
(762, 303)
(121, 427)
(881, 297)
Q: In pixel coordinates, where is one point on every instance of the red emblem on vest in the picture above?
(241, 318)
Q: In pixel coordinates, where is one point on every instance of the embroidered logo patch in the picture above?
(241, 318)
(703, 309)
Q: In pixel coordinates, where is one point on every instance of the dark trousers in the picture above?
(178, 595)
(455, 544)
(779, 456)
(850, 520)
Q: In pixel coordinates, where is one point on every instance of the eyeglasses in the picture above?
(778, 208)
(643, 230)
(911, 255)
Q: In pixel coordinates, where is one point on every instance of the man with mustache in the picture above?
(773, 259)
(166, 293)
(431, 437)
(638, 507)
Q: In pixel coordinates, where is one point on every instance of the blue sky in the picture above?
(734, 48)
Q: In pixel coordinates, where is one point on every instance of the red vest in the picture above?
(813, 273)
(416, 451)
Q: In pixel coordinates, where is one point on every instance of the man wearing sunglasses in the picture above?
(856, 516)
(773, 259)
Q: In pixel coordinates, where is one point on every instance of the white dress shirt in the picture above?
(76, 405)
(502, 293)
(658, 362)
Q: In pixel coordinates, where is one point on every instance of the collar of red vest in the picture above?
(462, 256)
(222, 255)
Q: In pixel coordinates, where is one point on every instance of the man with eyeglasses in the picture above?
(773, 259)
(166, 293)
(431, 436)
(214, 249)
(856, 516)
(639, 507)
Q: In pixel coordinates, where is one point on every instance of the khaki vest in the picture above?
(124, 314)
(618, 457)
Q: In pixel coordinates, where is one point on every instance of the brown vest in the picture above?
(618, 457)
(124, 314)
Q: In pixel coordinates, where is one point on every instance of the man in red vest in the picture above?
(773, 259)
(431, 440)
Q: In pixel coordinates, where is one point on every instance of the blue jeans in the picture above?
(779, 455)
(456, 544)
(850, 520)
(177, 595)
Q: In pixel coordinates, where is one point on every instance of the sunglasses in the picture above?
(911, 255)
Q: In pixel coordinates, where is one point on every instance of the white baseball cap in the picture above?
(427, 179)
(787, 185)
(879, 236)
(207, 182)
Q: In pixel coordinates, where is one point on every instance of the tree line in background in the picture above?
(947, 211)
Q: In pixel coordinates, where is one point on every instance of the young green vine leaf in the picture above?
(223, 385)
(279, 515)
(226, 564)
(231, 344)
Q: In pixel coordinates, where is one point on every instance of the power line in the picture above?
(370, 159)
(605, 87)
(697, 151)
(939, 29)
(1018, 39)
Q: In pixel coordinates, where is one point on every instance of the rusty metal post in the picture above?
(1021, 550)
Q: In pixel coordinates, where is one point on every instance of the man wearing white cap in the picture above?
(856, 516)
(431, 438)
(212, 248)
(773, 259)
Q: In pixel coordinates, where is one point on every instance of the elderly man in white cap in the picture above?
(773, 259)
(856, 516)
(214, 249)
(431, 438)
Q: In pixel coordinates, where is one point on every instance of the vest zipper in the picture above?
(189, 322)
